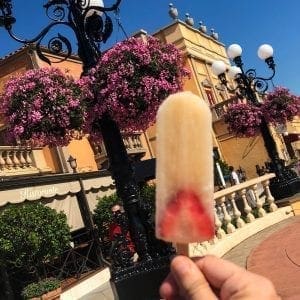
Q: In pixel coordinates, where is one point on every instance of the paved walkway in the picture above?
(104, 292)
(273, 253)
(238, 255)
(278, 258)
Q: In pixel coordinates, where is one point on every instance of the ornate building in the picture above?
(200, 49)
(17, 161)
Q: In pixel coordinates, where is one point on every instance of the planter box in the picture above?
(52, 295)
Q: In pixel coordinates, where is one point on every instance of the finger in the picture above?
(217, 270)
(233, 280)
(191, 282)
(169, 288)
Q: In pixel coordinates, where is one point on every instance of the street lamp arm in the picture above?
(37, 38)
(259, 84)
(56, 45)
(90, 24)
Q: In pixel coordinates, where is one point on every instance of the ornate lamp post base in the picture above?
(141, 281)
(286, 185)
(287, 182)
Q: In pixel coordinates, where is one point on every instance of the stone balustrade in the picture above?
(240, 211)
(133, 145)
(18, 160)
(219, 109)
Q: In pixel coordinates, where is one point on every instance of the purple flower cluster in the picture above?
(131, 80)
(42, 107)
(281, 106)
(243, 119)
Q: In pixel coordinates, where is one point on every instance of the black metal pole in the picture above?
(126, 185)
(89, 222)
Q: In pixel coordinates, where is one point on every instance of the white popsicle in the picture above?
(184, 170)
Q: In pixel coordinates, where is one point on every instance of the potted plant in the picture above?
(243, 119)
(42, 107)
(281, 106)
(130, 81)
(46, 289)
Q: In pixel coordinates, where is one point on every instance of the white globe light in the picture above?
(265, 51)
(234, 51)
(88, 3)
(233, 71)
(218, 67)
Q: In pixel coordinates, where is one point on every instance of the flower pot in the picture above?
(52, 295)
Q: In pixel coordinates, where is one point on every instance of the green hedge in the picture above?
(30, 234)
(102, 212)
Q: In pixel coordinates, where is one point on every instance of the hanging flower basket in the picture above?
(42, 107)
(280, 106)
(131, 80)
(243, 119)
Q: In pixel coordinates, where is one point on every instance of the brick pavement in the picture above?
(238, 255)
(278, 258)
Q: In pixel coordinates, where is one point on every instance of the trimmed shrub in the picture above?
(37, 289)
(30, 234)
(102, 212)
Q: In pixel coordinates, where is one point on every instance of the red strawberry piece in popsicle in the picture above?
(185, 216)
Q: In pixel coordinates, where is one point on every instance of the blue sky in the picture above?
(249, 23)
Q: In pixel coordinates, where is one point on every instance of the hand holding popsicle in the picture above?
(211, 278)
(184, 170)
(184, 206)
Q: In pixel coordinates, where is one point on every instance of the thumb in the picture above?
(190, 280)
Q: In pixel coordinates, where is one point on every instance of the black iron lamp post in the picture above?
(92, 25)
(249, 86)
(86, 213)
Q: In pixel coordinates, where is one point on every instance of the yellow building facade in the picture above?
(199, 50)
(90, 157)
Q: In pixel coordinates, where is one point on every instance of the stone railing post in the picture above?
(8, 160)
(236, 213)
(227, 218)
(219, 231)
(2, 161)
(247, 209)
(269, 198)
(259, 203)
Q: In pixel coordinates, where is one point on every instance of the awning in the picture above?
(61, 196)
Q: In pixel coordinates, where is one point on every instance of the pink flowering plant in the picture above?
(280, 106)
(243, 119)
(131, 80)
(42, 107)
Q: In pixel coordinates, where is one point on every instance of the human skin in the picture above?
(211, 278)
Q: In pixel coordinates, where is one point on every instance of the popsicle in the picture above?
(184, 170)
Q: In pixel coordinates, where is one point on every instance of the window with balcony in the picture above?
(210, 97)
